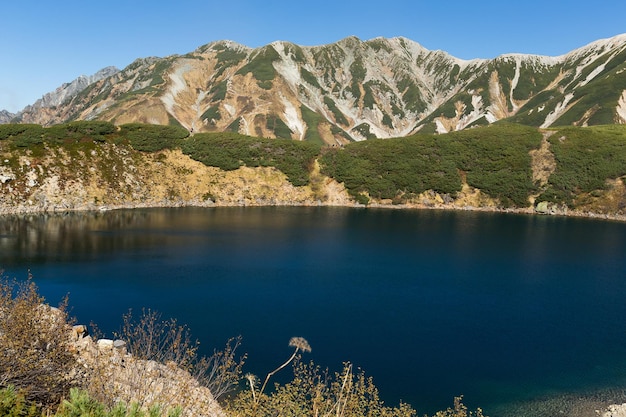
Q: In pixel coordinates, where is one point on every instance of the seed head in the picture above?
(300, 343)
(251, 379)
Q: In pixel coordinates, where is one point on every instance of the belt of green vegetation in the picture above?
(229, 151)
(494, 159)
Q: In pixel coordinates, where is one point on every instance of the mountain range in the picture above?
(347, 91)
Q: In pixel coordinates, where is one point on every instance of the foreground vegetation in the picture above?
(41, 372)
(494, 159)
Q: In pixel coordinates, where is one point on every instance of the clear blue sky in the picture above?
(46, 43)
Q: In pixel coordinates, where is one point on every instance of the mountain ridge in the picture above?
(347, 91)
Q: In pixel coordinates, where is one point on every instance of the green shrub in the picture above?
(308, 77)
(364, 130)
(81, 404)
(29, 137)
(586, 158)
(13, 404)
(385, 168)
(261, 66)
(15, 130)
(337, 114)
(234, 126)
(212, 113)
(229, 151)
(152, 138)
(227, 58)
(142, 137)
(280, 129)
(218, 91)
(358, 70)
(495, 159)
(312, 120)
(411, 95)
(73, 132)
(89, 128)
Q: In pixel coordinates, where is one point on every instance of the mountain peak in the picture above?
(348, 90)
(6, 116)
(67, 91)
(221, 45)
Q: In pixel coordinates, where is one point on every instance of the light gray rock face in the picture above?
(6, 116)
(350, 90)
(69, 90)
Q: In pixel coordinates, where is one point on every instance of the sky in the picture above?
(47, 43)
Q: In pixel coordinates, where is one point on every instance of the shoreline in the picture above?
(25, 210)
(601, 402)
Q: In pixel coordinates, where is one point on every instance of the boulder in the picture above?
(80, 330)
(105, 344)
(119, 344)
(542, 208)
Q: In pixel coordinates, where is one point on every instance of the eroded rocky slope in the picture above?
(110, 176)
(350, 90)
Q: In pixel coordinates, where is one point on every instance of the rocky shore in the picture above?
(606, 403)
(113, 373)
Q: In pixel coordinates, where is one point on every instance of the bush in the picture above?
(164, 368)
(14, 130)
(495, 159)
(28, 135)
(586, 158)
(314, 392)
(151, 338)
(35, 354)
(229, 151)
(152, 138)
(80, 404)
(23, 136)
(386, 168)
(13, 404)
(261, 65)
(91, 127)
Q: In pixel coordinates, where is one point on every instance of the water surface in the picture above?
(498, 307)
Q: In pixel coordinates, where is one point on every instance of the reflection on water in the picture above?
(500, 308)
(62, 237)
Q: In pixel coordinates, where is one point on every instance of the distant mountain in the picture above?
(349, 90)
(6, 116)
(49, 109)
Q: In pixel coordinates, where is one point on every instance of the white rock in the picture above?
(615, 411)
(119, 344)
(105, 344)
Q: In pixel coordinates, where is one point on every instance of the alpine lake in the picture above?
(510, 311)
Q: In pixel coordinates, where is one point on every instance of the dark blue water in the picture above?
(500, 308)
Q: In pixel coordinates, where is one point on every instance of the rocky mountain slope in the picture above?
(346, 91)
(6, 116)
(107, 176)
